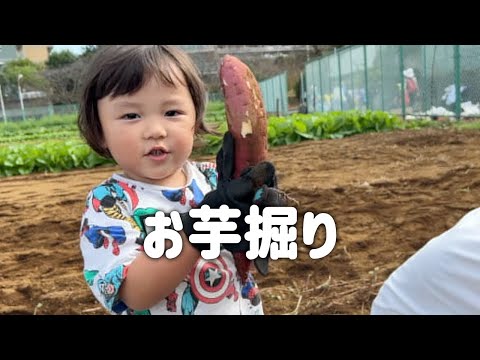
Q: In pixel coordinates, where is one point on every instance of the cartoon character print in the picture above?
(139, 216)
(175, 195)
(242, 263)
(189, 301)
(109, 286)
(104, 235)
(112, 197)
(89, 276)
(251, 292)
(87, 201)
(138, 312)
(172, 301)
(210, 282)
(209, 170)
(193, 191)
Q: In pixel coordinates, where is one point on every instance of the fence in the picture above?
(414, 80)
(36, 112)
(275, 94)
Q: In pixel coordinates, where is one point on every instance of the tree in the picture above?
(89, 50)
(60, 59)
(32, 77)
(65, 83)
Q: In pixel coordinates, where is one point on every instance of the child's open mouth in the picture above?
(157, 153)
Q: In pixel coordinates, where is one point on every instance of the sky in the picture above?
(76, 49)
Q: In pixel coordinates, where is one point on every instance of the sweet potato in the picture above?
(246, 116)
(247, 122)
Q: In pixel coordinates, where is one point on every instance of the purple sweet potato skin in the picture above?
(246, 116)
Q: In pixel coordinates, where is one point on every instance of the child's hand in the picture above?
(264, 173)
(256, 185)
(239, 194)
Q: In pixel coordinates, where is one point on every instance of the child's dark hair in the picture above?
(123, 69)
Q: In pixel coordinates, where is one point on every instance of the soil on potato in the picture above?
(388, 193)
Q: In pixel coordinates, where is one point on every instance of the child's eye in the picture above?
(130, 116)
(172, 113)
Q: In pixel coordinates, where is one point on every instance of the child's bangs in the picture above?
(129, 75)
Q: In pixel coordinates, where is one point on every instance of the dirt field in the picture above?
(388, 193)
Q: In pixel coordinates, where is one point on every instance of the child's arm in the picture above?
(116, 268)
(151, 280)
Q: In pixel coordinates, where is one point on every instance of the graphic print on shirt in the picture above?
(139, 216)
(209, 287)
(172, 301)
(209, 170)
(212, 281)
(138, 312)
(89, 276)
(109, 285)
(112, 198)
(192, 191)
(103, 236)
(189, 301)
(250, 291)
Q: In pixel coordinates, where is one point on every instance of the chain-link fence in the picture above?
(419, 80)
(36, 112)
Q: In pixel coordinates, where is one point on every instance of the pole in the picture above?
(321, 87)
(424, 97)
(339, 78)
(21, 96)
(3, 105)
(381, 77)
(365, 67)
(458, 91)
(402, 82)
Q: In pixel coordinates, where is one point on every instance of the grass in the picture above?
(468, 124)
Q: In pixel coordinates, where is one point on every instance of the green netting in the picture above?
(403, 79)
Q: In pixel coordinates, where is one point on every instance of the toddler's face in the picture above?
(150, 133)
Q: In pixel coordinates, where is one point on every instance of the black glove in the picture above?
(254, 186)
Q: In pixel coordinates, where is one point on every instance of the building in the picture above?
(35, 53)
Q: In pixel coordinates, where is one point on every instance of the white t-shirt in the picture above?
(112, 234)
(443, 277)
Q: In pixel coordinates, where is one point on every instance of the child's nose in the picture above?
(155, 129)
